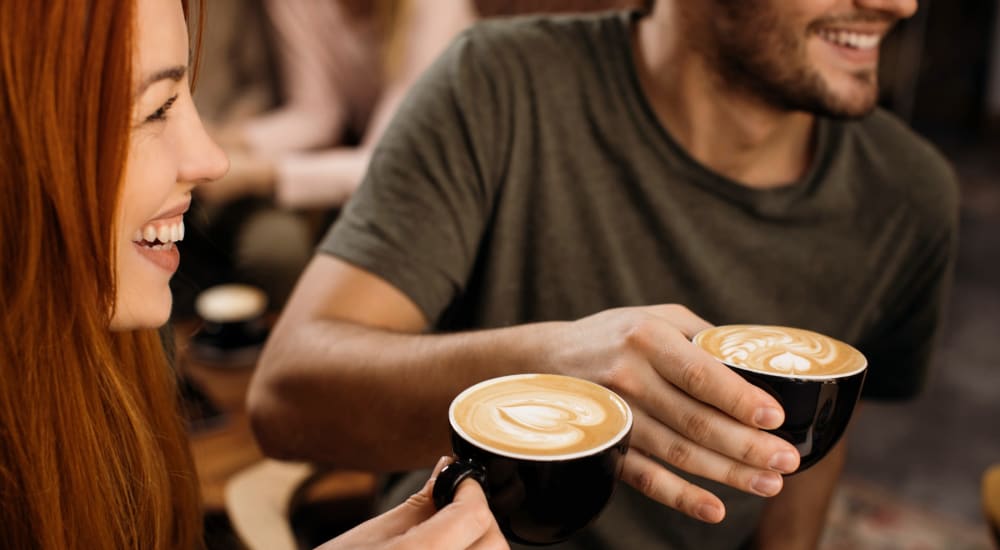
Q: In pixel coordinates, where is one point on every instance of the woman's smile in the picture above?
(156, 239)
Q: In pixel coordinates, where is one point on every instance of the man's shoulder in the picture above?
(906, 163)
(541, 36)
(900, 150)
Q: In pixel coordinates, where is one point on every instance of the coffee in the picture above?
(234, 327)
(816, 379)
(781, 351)
(540, 416)
(548, 450)
(231, 303)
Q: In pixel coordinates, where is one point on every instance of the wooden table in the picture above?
(223, 450)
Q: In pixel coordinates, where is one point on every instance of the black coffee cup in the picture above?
(233, 325)
(818, 407)
(537, 498)
(817, 412)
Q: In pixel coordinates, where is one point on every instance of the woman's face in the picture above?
(169, 153)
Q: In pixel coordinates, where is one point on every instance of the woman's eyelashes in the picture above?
(161, 114)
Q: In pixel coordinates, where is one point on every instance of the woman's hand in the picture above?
(466, 523)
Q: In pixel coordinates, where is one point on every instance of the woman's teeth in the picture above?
(159, 236)
(856, 40)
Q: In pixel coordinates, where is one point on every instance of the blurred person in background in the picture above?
(102, 148)
(345, 66)
(581, 195)
(342, 68)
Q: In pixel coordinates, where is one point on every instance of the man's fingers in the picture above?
(666, 347)
(457, 526)
(678, 451)
(701, 425)
(704, 378)
(680, 317)
(661, 485)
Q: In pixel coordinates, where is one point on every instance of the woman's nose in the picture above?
(202, 159)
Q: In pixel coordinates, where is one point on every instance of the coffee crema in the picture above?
(779, 350)
(540, 415)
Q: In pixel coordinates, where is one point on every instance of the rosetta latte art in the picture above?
(780, 350)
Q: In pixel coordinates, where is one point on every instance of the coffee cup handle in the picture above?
(452, 476)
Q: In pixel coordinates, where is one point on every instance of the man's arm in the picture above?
(795, 518)
(349, 378)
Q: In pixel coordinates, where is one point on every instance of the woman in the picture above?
(101, 147)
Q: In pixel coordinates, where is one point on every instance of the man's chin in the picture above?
(855, 100)
(848, 112)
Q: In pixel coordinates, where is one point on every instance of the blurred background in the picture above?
(297, 91)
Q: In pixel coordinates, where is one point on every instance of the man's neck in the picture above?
(728, 130)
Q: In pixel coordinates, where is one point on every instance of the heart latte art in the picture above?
(780, 350)
(540, 415)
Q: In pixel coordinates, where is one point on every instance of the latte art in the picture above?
(789, 362)
(540, 415)
(780, 350)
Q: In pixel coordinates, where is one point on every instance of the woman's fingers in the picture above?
(465, 524)
(419, 507)
(458, 526)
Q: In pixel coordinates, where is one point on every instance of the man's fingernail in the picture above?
(767, 417)
(766, 484)
(784, 461)
(709, 513)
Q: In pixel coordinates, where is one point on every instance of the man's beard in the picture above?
(755, 53)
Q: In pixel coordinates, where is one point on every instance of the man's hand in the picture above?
(466, 523)
(690, 410)
(347, 336)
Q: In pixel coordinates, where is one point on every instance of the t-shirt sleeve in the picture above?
(900, 349)
(418, 217)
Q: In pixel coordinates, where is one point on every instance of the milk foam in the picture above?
(231, 303)
(541, 415)
(539, 420)
(781, 350)
(788, 362)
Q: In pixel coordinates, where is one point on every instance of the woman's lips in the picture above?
(164, 256)
(156, 241)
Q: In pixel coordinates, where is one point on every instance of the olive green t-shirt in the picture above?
(526, 178)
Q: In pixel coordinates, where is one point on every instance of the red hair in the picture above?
(93, 452)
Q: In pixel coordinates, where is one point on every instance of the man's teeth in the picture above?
(856, 40)
(157, 236)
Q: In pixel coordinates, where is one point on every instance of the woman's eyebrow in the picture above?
(171, 73)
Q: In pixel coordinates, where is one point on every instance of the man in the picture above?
(554, 182)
